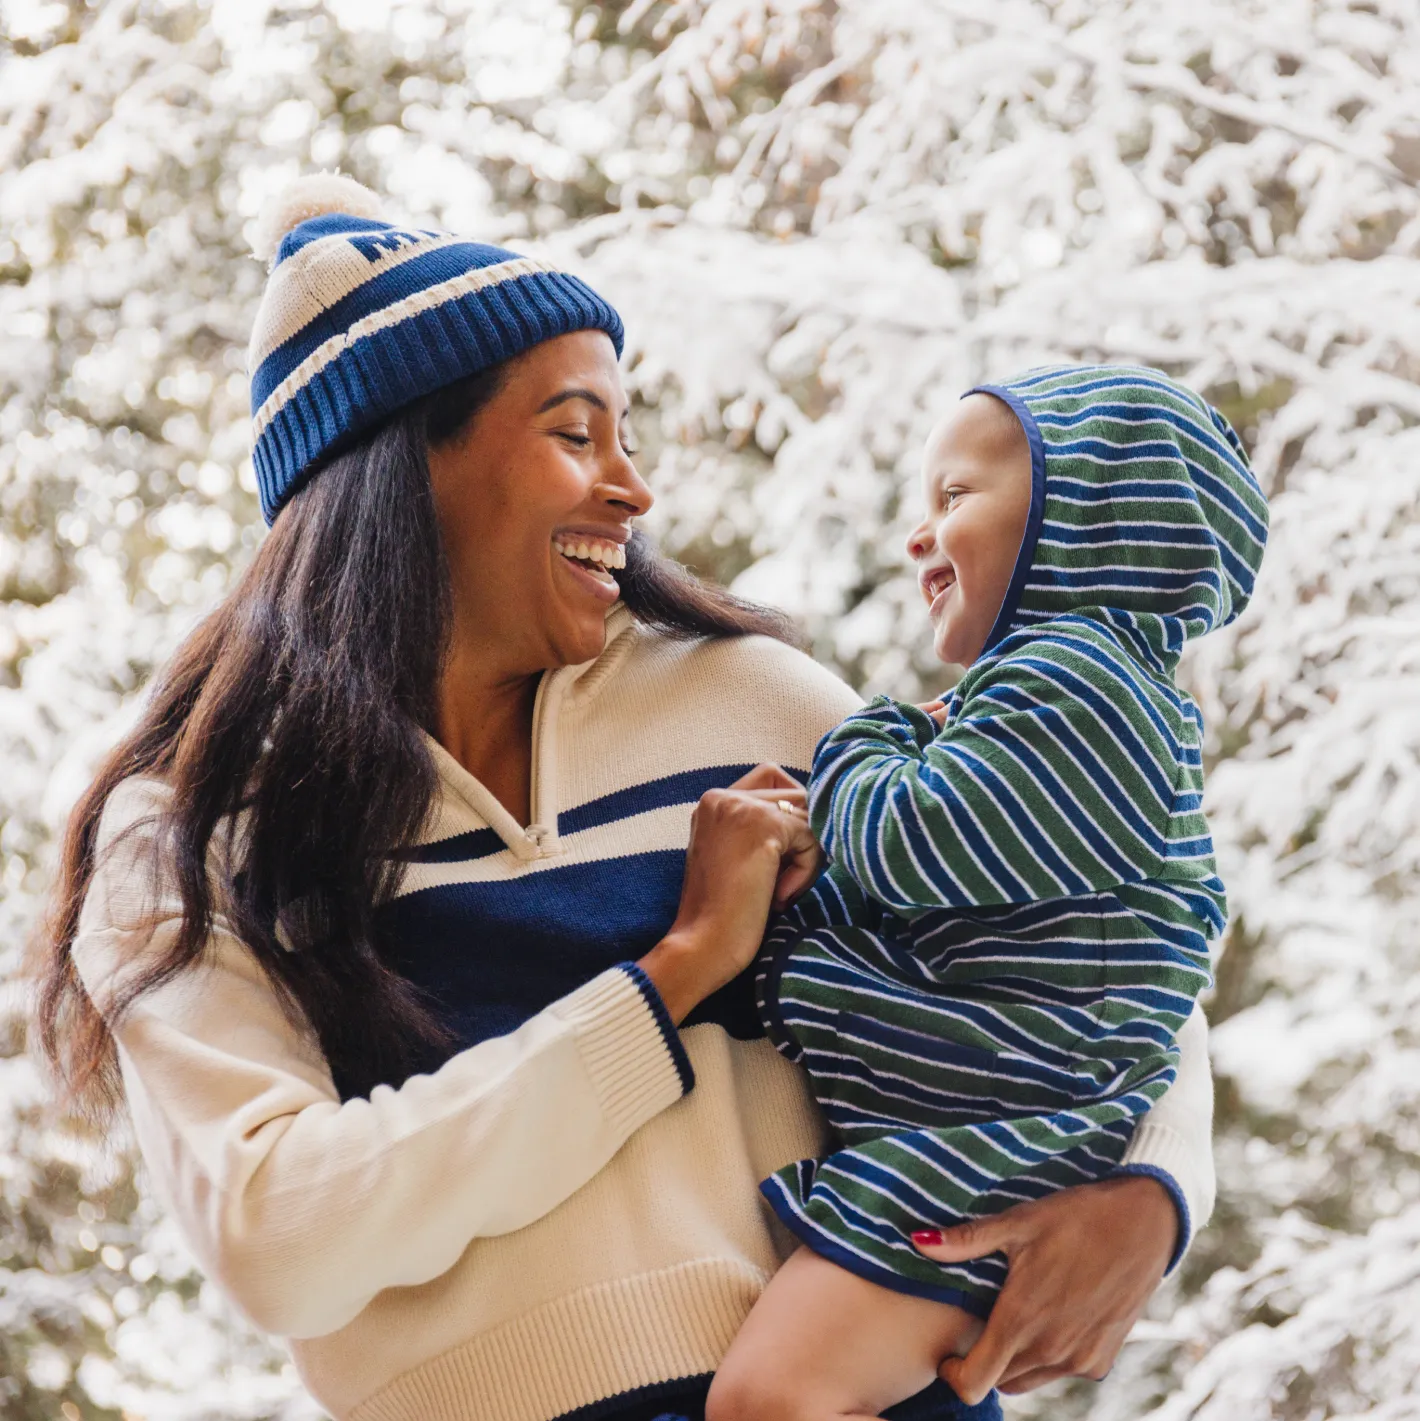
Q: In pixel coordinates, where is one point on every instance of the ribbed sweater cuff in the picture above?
(662, 1014)
(633, 1054)
(1163, 1155)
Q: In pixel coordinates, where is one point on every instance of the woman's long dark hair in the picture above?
(300, 705)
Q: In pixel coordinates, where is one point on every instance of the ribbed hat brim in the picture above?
(375, 375)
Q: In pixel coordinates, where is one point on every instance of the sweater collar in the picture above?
(538, 840)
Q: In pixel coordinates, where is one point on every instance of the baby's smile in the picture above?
(935, 580)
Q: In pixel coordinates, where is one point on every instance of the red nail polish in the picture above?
(926, 1236)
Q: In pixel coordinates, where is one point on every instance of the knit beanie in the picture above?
(361, 317)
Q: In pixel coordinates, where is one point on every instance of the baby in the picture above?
(986, 986)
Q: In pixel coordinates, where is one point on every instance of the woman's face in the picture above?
(535, 499)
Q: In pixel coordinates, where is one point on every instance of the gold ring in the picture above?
(787, 807)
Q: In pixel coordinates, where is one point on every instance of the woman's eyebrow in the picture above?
(578, 393)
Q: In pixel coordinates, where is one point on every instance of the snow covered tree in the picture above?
(822, 221)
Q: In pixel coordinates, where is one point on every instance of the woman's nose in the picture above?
(626, 487)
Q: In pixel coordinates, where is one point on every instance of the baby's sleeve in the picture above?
(1056, 776)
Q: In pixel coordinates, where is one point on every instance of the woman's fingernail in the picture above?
(926, 1236)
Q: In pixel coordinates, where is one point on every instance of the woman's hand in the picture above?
(751, 850)
(1083, 1263)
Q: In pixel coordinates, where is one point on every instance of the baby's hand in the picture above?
(937, 710)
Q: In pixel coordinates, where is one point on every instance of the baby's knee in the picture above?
(743, 1394)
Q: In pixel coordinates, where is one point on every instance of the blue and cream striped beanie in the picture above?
(360, 318)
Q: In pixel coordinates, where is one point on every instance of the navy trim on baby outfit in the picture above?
(830, 1249)
(683, 1400)
(674, 1398)
(1034, 519)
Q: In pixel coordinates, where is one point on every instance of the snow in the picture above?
(822, 222)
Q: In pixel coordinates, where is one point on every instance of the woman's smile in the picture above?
(589, 559)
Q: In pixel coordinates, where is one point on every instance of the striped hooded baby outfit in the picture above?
(986, 985)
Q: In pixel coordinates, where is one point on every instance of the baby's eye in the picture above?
(949, 498)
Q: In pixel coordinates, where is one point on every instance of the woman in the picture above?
(412, 919)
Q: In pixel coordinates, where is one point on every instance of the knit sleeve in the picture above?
(303, 1207)
(1054, 777)
(1173, 1144)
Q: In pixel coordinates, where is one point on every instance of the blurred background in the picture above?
(821, 221)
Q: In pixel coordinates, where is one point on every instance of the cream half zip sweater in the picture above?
(568, 1208)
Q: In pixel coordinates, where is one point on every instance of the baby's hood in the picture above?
(1144, 512)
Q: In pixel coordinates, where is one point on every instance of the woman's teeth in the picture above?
(602, 556)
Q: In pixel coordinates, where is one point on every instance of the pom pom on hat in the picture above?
(308, 197)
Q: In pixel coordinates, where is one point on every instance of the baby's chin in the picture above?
(944, 647)
(955, 645)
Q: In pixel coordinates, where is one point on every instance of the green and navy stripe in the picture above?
(987, 986)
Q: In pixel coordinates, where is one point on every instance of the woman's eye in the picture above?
(581, 441)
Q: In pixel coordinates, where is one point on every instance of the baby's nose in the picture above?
(917, 542)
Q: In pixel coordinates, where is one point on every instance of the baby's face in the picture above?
(976, 476)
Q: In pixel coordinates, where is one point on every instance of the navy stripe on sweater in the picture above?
(684, 788)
